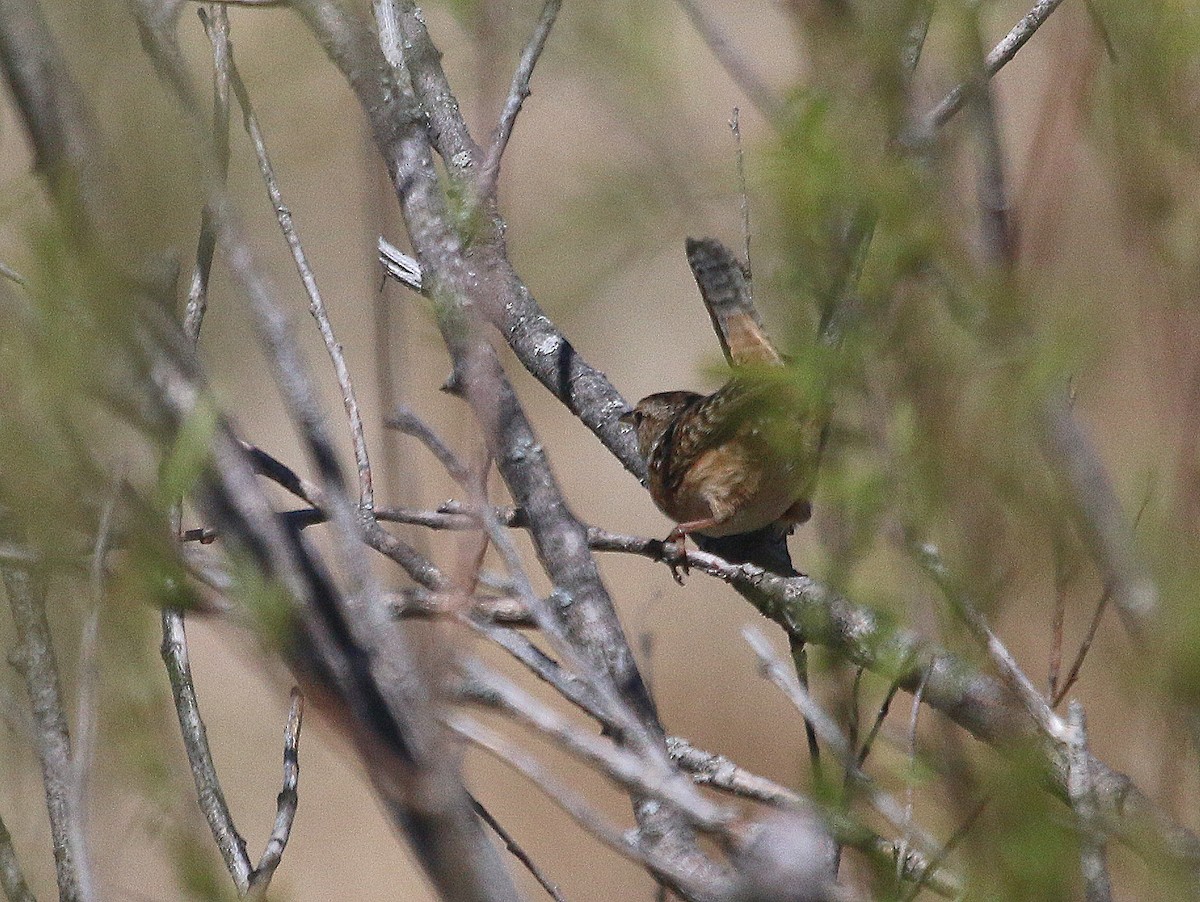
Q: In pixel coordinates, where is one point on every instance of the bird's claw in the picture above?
(675, 555)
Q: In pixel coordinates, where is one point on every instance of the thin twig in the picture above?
(1017, 680)
(1092, 857)
(518, 852)
(11, 274)
(195, 742)
(1084, 648)
(733, 61)
(286, 803)
(800, 665)
(743, 198)
(12, 878)
(665, 867)
(1062, 582)
(634, 772)
(909, 788)
(216, 23)
(996, 60)
(717, 771)
(174, 649)
(880, 716)
(34, 660)
(934, 867)
(320, 313)
(518, 93)
(827, 729)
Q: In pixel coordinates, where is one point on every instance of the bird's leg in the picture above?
(676, 560)
(678, 537)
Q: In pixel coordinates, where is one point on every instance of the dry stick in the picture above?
(1092, 857)
(638, 774)
(665, 867)
(734, 62)
(12, 879)
(909, 788)
(33, 658)
(88, 703)
(588, 616)
(285, 804)
(216, 23)
(1084, 648)
(616, 712)
(775, 671)
(195, 741)
(935, 863)
(743, 199)
(422, 60)
(1050, 724)
(320, 313)
(70, 158)
(717, 771)
(996, 60)
(174, 648)
(519, 853)
(390, 699)
(518, 92)
(1062, 582)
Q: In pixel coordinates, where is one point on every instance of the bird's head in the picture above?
(653, 414)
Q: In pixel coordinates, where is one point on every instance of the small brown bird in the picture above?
(747, 455)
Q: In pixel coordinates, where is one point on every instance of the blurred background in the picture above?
(624, 150)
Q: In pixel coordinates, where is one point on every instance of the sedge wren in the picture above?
(747, 455)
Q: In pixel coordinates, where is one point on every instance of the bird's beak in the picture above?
(627, 416)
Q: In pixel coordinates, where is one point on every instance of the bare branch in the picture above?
(195, 742)
(1084, 648)
(996, 60)
(1050, 724)
(665, 867)
(317, 307)
(633, 772)
(64, 138)
(518, 852)
(216, 23)
(1098, 513)
(285, 814)
(1093, 860)
(34, 659)
(719, 772)
(825, 727)
(518, 93)
(416, 55)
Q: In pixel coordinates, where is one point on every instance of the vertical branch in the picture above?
(1093, 860)
(317, 308)
(286, 803)
(174, 647)
(517, 94)
(34, 659)
(216, 22)
(195, 741)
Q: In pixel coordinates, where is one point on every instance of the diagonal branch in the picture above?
(1000, 56)
(317, 308)
(286, 803)
(34, 659)
(518, 93)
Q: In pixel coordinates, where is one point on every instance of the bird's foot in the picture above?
(675, 554)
